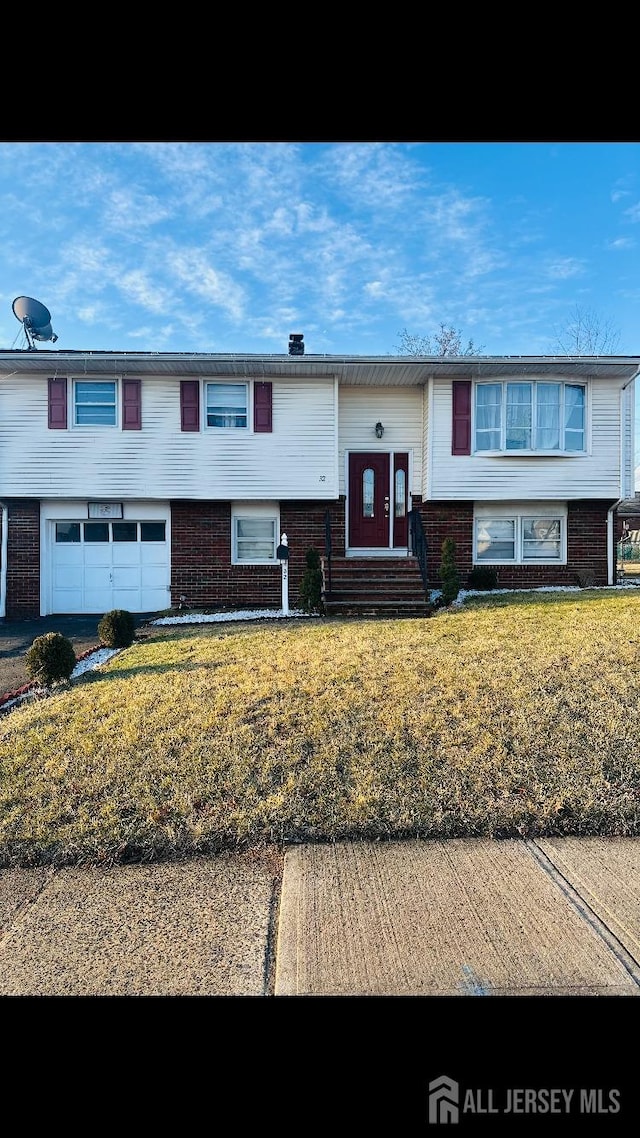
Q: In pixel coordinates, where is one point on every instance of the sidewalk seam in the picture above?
(602, 930)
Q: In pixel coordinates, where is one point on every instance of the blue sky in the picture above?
(229, 247)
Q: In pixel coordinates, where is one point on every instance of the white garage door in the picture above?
(98, 566)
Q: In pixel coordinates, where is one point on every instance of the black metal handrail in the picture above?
(327, 548)
(419, 544)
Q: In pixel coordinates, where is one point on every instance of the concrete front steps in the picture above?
(374, 586)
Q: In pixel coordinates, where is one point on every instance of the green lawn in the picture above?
(512, 715)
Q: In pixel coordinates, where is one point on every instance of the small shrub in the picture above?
(311, 584)
(117, 629)
(482, 577)
(585, 580)
(50, 659)
(449, 575)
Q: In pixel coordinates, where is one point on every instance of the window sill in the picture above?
(519, 564)
(530, 454)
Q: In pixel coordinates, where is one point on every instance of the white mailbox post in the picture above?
(283, 557)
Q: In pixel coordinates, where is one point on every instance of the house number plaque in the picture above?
(105, 509)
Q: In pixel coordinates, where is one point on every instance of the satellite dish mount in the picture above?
(35, 319)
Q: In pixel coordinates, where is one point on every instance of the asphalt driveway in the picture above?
(17, 636)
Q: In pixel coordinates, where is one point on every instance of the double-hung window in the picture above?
(255, 539)
(519, 539)
(227, 404)
(254, 533)
(94, 403)
(530, 417)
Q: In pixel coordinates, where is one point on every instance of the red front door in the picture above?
(369, 505)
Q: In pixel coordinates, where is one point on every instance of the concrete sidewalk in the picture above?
(552, 917)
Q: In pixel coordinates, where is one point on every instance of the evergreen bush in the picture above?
(482, 577)
(311, 583)
(50, 659)
(449, 575)
(117, 629)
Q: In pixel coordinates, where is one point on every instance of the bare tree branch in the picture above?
(447, 341)
(586, 334)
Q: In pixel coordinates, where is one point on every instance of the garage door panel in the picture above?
(126, 553)
(153, 554)
(154, 600)
(97, 577)
(97, 554)
(97, 600)
(68, 554)
(127, 599)
(154, 577)
(69, 600)
(68, 577)
(126, 576)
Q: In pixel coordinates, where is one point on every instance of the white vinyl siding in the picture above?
(295, 461)
(399, 409)
(498, 477)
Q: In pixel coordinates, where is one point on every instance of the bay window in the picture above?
(535, 416)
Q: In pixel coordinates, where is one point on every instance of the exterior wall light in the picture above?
(379, 430)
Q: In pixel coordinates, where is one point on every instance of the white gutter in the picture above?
(4, 523)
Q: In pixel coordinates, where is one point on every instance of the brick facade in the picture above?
(23, 560)
(201, 569)
(586, 545)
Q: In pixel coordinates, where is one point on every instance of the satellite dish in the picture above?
(35, 319)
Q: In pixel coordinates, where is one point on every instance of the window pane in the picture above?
(255, 539)
(125, 531)
(400, 508)
(152, 531)
(67, 531)
(541, 539)
(95, 392)
(548, 416)
(488, 416)
(96, 531)
(261, 528)
(368, 481)
(574, 417)
(226, 405)
(95, 404)
(518, 416)
(495, 539)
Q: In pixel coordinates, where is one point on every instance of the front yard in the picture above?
(515, 714)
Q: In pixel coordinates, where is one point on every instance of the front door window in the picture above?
(368, 492)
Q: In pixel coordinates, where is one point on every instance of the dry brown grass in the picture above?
(513, 715)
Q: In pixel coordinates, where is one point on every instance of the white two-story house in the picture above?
(146, 481)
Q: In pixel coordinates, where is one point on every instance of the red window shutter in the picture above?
(262, 407)
(461, 425)
(131, 405)
(58, 404)
(189, 405)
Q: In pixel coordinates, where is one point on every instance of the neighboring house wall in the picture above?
(296, 458)
(399, 409)
(596, 474)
